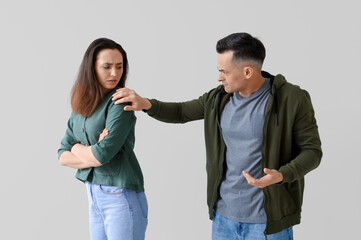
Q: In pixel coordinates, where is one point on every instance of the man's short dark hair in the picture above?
(244, 46)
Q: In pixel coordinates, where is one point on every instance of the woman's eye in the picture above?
(120, 67)
(105, 67)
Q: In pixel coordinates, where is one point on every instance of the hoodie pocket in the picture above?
(281, 203)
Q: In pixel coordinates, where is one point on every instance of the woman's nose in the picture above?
(113, 72)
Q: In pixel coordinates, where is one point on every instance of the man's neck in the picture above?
(253, 87)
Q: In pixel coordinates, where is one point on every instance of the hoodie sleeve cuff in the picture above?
(287, 175)
(153, 110)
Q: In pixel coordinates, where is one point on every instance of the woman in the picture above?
(99, 142)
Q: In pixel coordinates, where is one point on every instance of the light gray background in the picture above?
(171, 48)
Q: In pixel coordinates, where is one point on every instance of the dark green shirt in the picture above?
(120, 166)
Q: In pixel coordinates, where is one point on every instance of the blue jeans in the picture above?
(226, 229)
(116, 214)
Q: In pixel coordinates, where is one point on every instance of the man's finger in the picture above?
(252, 181)
(248, 177)
(130, 108)
(276, 175)
(121, 94)
(118, 96)
(122, 89)
(123, 100)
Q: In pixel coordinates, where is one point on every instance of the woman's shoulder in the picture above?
(111, 106)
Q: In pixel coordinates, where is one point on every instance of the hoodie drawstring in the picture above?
(275, 105)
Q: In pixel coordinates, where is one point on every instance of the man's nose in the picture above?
(220, 77)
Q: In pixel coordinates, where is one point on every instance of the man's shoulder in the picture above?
(211, 94)
(215, 90)
(288, 89)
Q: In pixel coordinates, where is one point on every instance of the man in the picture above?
(261, 139)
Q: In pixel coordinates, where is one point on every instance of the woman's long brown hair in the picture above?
(87, 93)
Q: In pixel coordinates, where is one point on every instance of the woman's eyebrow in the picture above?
(119, 63)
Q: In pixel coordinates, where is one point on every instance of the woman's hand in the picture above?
(103, 134)
(81, 156)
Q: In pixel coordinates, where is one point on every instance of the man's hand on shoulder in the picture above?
(272, 176)
(125, 95)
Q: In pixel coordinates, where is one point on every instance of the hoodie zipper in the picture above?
(215, 105)
(271, 102)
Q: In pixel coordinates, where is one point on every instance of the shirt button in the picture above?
(82, 129)
(86, 144)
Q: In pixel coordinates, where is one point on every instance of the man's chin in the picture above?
(228, 90)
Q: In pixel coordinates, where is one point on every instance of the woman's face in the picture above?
(109, 68)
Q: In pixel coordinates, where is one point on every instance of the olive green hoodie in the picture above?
(291, 144)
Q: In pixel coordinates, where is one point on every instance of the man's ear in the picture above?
(248, 72)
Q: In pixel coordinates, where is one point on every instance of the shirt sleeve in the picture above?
(119, 123)
(69, 139)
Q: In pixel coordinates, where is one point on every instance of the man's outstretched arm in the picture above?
(170, 112)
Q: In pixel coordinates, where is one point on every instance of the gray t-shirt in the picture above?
(242, 123)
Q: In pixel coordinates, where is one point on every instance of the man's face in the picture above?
(232, 76)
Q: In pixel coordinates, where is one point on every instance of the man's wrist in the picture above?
(147, 105)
